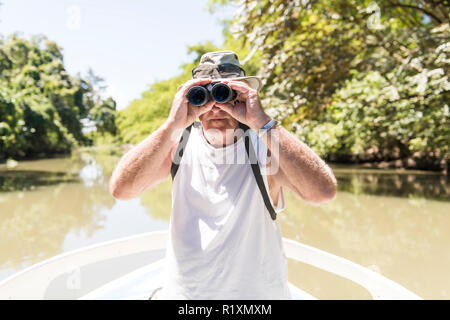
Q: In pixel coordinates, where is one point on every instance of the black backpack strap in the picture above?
(256, 170)
(180, 150)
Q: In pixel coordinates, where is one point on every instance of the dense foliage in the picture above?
(356, 80)
(41, 105)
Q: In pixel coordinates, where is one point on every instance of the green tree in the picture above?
(41, 105)
(357, 80)
(146, 114)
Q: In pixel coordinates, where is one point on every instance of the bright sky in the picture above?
(129, 43)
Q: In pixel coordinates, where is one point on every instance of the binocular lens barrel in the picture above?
(221, 92)
(198, 95)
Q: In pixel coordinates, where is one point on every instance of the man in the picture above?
(224, 241)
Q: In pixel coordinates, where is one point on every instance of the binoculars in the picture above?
(221, 92)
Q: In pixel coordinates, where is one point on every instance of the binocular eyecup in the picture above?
(220, 92)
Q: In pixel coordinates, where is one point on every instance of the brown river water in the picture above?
(394, 222)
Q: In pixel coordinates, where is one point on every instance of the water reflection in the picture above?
(43, 206)
(22, 180)
(159, 200)
(35, 223)
(406, 240)
(394, 183)
(384, 220)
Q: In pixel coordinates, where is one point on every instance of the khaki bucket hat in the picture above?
(223, 65)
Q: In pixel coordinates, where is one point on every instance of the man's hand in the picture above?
(149, 162)
(248, 110)
(182, 114)
(300, 169)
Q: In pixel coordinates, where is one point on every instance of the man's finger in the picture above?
(205, 108)
(240, 84)
(240, 87)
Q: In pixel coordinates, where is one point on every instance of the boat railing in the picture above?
(380, 287)
(40, 275)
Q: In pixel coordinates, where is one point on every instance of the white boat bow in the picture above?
(130, 268)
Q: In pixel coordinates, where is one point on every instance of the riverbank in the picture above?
(408, 163)
(394, 160)
(418, 161)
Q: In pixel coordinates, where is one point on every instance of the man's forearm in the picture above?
(304, 169)
(140, 167)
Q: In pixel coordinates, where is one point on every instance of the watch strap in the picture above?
(269, 125)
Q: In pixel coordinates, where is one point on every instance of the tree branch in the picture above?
(393, 5)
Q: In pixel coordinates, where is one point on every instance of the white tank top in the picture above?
(223, 244)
